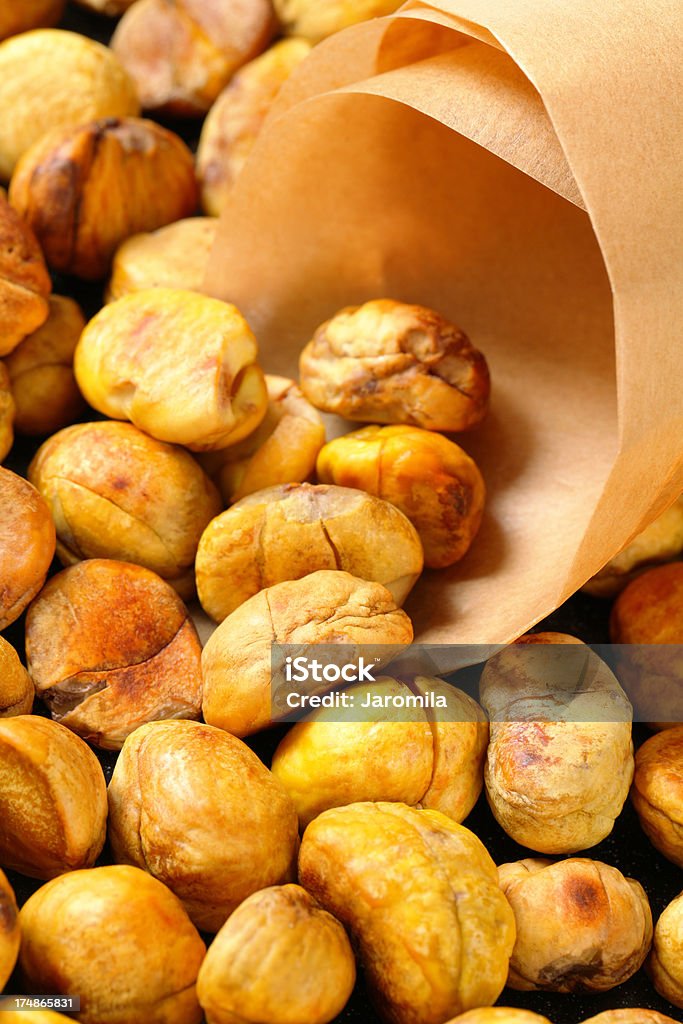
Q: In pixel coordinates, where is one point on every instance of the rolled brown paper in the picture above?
(456, 156)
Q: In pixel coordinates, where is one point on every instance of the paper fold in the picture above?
(513, 166)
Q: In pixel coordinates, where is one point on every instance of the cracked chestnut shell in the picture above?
(390, 362)
(40, 368)
(181, 366)
(255, 973)
(53, 798)
(89, 932)
(433, 758)
(560, 761)
(657, 792)
(84, 190)
(110, 646)
(287, 532)
(24, 280)
(9, 931)
(175, 256)
(16, 685)
(665, 965)
(581, 925)
(282, 449)
(196, 808)
(419, 896)
(116, 493)
(51, 79)
(27, 544)
(431, 479)
(181, 53)
(326, 607)
(236, 118)
(315, 20)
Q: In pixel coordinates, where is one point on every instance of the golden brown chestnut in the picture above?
(560, 761)
(89, 932)
(661, 541)
(175, 256)
(111, 646)
(499, 1015)
(431, 479)
(287, 532)
(9, 930)
(34, 1017)
(236, 118)
(40, 368)
(27, 544)
(16, 685)
(647, 618)
(390, 362)
(84, 190)
(24, 280)
(7, 413)
(650, 609)
(282, 450)
(315, 20)
(116, 493)
(198, 810)
(630, 1016)
(327, 607)
(665, 965)
(255, 970)
(181, 53)
(581, 925)
(181, 366)
(657, 792)
(412, 754)
(419, 896)
(29, 14)
(53, 799)
(51, 79)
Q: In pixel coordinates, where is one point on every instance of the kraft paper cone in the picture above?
(514, 166)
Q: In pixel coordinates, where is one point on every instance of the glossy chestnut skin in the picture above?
(51, 79)
(390, 362)
(24, 279)
(88, 932)
(215, 829)
(290, 531)
(110, 646)
(85, 189)
(581, 925)
(27, 544)
(181, 366)
(441, 942)
(53, 800)
(255, 972)
(117, 493)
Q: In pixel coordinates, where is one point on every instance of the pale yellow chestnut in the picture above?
(179, 365)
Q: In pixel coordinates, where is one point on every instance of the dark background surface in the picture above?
(587, 618)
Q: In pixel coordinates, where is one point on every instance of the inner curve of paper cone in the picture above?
(353, 196)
